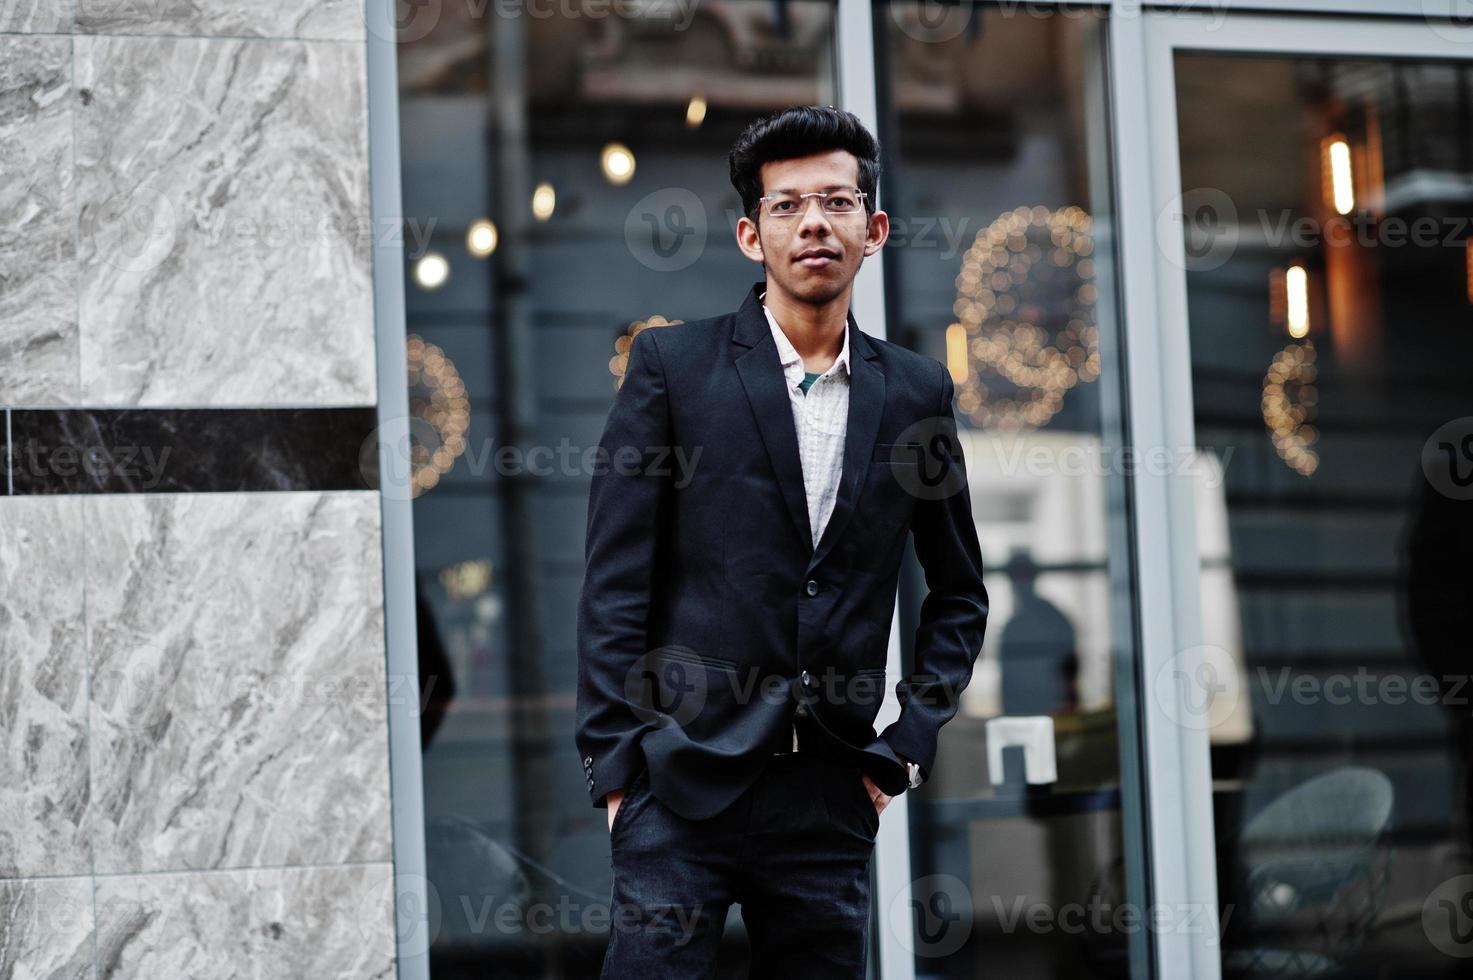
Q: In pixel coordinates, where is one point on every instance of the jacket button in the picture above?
(811, 588)
(805, 678)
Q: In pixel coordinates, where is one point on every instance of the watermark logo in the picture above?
(1208, 222)
(404, 906)
(939, 910)
(1447, 917)
(135, 235)
(925, 458)
(666, 230)
(1198, 688)
(1447, 459)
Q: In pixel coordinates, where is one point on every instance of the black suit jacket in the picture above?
(707, 616)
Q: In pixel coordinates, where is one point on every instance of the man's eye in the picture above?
(841, 203)
(782, 206)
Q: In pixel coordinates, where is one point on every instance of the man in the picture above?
(753, 489)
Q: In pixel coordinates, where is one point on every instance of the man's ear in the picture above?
(877, 234)
(749, 240)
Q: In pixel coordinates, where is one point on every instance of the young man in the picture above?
(753, 489)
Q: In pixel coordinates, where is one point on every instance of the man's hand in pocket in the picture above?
(614, 798)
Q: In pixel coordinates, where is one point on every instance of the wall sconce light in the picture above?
(695, 111)
(1339, 190)
(544, 201)
(1296, 301)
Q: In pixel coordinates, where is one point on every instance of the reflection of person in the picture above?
(747, 519)
(1037, 650)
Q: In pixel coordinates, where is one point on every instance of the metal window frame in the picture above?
(411, 885)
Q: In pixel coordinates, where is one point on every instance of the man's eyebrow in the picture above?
(826, 187)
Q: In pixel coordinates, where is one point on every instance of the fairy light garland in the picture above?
(619, 363)
(1028, 270)
(1290, 405)
(441, 402)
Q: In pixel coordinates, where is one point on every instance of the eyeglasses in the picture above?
(845, 201)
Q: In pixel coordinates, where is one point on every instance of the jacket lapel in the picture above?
(761, 374)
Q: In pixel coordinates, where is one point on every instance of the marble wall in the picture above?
(194, 772)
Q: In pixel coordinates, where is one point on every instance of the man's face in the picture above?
(813, 256)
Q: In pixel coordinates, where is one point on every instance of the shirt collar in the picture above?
(789, 355)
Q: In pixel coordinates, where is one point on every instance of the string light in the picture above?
(1290, 405)
(1026, 272)
(440, 401)
(619, 363)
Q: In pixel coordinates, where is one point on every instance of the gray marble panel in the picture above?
(35, 16)
(224, 244)
(340, 20)
(238, 714)
(43, 689)
(262, 923)
(46, 929)
(38, 215)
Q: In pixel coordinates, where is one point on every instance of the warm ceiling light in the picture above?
(695, 111)
(618, 163)
(544, 201)
(1296, 300)
(1340, 194)
(481, 239)
(431, 271)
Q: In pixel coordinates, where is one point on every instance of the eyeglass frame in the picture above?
(823, 198)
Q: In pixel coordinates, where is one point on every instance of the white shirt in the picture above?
(820, 419)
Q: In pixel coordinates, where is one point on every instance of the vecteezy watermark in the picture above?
(933, 22)
(140, 232)
(1363, 687)
(395, 450)
(1447, 459)
(666, 229)
(1198, 688)
(1013, 455)
(141, 468)
(404, 21)
(669, 686)
(1212, 228)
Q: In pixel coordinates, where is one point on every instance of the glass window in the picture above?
(565, 186)
(999, 265)
(1328, 205)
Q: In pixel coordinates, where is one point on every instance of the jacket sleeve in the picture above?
(953, 616)
(626, 510)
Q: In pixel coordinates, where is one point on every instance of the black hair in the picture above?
(801, 131)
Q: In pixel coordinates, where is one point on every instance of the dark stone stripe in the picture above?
(168, 450)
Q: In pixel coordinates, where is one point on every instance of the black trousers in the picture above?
(793, 851)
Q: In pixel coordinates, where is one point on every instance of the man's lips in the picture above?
(816, 258)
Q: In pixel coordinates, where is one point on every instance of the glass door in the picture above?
(1024, 845)
(1310, 232)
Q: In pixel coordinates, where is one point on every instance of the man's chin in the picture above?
(816, 289)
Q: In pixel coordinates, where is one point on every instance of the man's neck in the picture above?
(816, 331)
